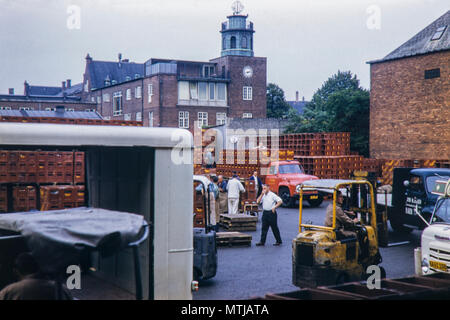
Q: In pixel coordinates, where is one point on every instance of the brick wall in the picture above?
(234, 66)
(410, 115)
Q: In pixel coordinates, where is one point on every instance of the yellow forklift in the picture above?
(324, 255)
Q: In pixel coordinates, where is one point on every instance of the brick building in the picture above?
(45, 98)
(176, 93)
(410, 97)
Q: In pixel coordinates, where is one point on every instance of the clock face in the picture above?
(248, 72)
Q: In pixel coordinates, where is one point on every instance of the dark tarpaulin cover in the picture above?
(57, 238)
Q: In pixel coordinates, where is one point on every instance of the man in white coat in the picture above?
(234, 188)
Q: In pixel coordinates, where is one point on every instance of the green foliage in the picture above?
(277, 107)
(340, 105)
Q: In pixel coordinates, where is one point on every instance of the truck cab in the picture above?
(435, 242)
(285, 178)
(419, 193)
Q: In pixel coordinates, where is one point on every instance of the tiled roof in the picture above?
(52, 114)
(422, 42)
(100, 70)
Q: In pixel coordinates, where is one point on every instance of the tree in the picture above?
(277, 107)
(340, 105)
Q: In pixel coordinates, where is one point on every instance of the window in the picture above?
(221, 118)
(107, 83)
(138, 92)
(113, 82)
(92, 99)
(150, 119)
(244, 42)
(26, 108)
(224, 43)
(212, 92)
(137, 76)
(150, 92)
(99, 99)
(202, 91)
(117, 103)
(438, 34)
(202, 119)
(127, 78)
(183, 90)
(233, 42)
(193, 90)
(86, 86)
(106, 97)
(89, 110)
(183, 119)
(128, 94)
(50, 109)
(138, 116)
(127, 117)
(247, 93)
(5, 108)
(221, 91)
(433, 73)
(208, 71)
(70, 110)
(247, 115)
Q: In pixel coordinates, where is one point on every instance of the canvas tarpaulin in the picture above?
(57, 238)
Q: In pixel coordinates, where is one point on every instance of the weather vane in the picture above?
(237, 7)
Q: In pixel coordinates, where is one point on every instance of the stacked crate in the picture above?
(24, 198)
(56, 120)
(199, 209)
(3, 199)
(331, 167)
(79, 167)
(61, 197)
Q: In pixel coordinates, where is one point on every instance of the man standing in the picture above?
(234, 188)
(223, 198)
(270, 203)
(258, 183)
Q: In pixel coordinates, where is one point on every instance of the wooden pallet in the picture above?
(238, 222)
(233, 239)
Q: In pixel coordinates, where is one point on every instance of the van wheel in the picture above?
(284, 194)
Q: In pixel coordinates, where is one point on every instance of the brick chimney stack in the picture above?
(69, 83)
(63, 85)
(26, 88)
(11, 91)
(296, 96)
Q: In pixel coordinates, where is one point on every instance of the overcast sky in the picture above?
(305, 41)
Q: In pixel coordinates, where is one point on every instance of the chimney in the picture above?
(69, 83)
(11, 91)
(63, 85)
(296, 96)
(303, 99)
(88, 58)
(126, 60)
(26, 88)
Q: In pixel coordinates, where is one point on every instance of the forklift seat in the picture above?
(348, 240)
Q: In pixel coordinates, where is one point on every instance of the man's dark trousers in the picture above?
(269, 219)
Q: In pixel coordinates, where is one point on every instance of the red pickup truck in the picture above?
(283, 177)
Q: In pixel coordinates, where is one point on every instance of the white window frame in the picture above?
(138, 116)
(221, 118)
(202, 119)
(127, 117)
(26, 108)
(5, 108)
(119, 111)
(99, 99)
(183, 119)
(128, 94)
(247, 93)
(247, 115)
(138, 92)
(69, 109)
(106, 97)
(150, 92)
(150, 119)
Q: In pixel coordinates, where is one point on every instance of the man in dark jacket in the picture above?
(258, 183)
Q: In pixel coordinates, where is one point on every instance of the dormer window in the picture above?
(113, 82)
(127, 78)
(438, 34)
(137, 76)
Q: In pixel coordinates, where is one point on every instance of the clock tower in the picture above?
(245, 73)
(237, 34)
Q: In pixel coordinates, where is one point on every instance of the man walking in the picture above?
(234, 187)
(270, 203)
